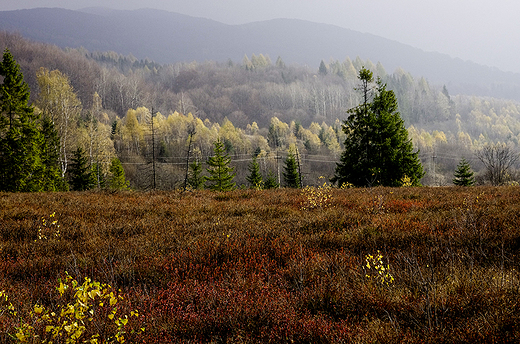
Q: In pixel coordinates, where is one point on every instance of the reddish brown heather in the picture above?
(254, 266)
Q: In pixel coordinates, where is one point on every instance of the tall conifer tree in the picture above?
(117, 179)
(291, 176)
(255, 177)
(21, 140)
(195, 178)
(323, 68)
(377, 148)
(271, 182)
(221, 174)
(80, 172)
(463, 174)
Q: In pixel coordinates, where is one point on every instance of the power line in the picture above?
(232, 161)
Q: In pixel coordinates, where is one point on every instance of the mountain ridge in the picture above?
(169, 37)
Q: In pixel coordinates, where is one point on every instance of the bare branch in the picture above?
(497, 160)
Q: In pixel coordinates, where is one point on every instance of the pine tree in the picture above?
(377, 148)
(270, 181)
(280, 63)
(21, 140)
(221, 175)
(290, 174)
(20, 161)
(254, 178)
(463, 174)
(195, 178)
(80, 173)
(323, 68)
(14, 93)
(117, 179)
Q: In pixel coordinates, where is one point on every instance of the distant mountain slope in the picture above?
(167, 37)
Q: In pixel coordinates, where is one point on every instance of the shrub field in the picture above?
(319, 265)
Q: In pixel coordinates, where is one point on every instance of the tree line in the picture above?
(253, 104)
(34, 155)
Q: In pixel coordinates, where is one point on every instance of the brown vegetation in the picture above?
(265, 266)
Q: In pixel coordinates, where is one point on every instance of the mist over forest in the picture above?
(169, 38)
(260, 105)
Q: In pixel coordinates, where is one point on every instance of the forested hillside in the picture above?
(261, 105)
(168, 37)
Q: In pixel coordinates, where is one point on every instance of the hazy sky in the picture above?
(486, 32)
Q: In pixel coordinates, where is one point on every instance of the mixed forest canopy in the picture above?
(259, 106)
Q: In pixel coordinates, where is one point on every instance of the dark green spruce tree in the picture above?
(255, 177)
(322, 70)
(21, 140)
(463, 174)
(195, 178)
(271, 182)
(80, 173)
(221, 174)
(291, 176)
(377, 148)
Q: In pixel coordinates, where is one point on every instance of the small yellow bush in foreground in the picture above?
(92, 306)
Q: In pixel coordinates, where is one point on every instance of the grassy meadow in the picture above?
(380, 265)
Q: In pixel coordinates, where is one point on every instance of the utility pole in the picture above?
(299, 167)
(191, 132)
(278, 165)
(153, 151)
(433, 161)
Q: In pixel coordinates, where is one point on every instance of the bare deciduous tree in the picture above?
(191, 132)
(497, 159)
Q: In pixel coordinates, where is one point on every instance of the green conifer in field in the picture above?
(221, 174)
(271, 181)
(291, 176)
(117, 179)
(195, 178)
(377, 148)
(21, 139)
(80, 172)
(463, 174)
(255, 177)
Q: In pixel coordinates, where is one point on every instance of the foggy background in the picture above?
(481, 31)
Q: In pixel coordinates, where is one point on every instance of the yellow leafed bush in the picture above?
(84, 307)
(376, 269)
(317, 197)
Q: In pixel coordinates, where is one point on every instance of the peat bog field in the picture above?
(318, 265)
